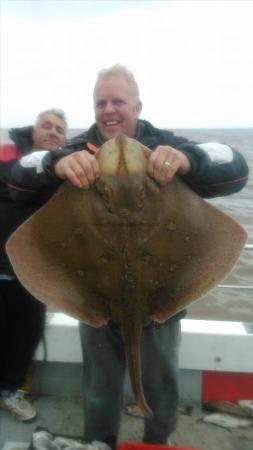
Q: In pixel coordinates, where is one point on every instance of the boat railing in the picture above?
(247, 247)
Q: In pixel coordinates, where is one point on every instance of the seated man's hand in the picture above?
(80, 168)
(165, 162)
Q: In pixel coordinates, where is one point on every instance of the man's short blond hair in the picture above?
(119, 70)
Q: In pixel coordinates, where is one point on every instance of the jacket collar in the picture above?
(22, 137)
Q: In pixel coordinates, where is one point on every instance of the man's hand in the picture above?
(165, 162)
(80, 168)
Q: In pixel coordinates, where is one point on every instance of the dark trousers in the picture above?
(103, 380)
(22, 320)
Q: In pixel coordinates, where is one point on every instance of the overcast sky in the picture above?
(193, 60)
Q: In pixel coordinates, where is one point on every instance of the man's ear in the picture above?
(138, 107)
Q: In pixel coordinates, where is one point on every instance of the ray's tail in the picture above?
(132, 337)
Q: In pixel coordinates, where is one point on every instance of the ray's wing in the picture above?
(194, 247)
(54, 252)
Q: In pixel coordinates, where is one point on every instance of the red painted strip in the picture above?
(231, 182)
(9, 152)
(142, 446)
(17, 188)
(226, 386)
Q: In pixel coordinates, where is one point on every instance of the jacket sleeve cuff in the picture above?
(50, 160)
(195, 155)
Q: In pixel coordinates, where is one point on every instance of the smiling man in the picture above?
(117, 109)
(117, 105)
(210, 169)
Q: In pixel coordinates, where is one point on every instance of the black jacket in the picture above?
(216, 169)
(208, 178)
(10, 215)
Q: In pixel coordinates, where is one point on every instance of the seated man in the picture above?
(22, 317)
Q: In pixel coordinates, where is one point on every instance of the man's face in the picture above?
(49, 133)
(116, 111)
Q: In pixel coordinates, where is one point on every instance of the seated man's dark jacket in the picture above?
(10, 215)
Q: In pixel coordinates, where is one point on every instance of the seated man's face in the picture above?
(49, 133)
(116, 111)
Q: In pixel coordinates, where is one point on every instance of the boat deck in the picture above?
(56, 386)
(62, 415)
